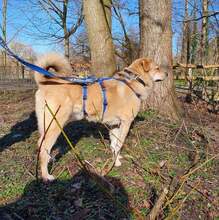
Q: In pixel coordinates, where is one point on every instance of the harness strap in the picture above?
(84, 92)
(103, 89)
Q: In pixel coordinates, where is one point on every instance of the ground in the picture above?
(158, 154)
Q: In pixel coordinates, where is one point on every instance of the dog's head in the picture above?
(148, 70)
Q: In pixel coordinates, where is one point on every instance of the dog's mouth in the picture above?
(158, 80)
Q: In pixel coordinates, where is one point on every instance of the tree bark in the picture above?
(4, 33)
(204, 34)
(194, 38)
(107, 6)
(100, 40)
(64, 20)
(156, 43)
(185, 36)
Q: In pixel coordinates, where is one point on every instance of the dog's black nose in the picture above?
(166, 73)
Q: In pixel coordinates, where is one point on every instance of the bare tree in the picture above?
(100, 39)
(155, 42)
(24, 51)
(60, 14)
(127, 43)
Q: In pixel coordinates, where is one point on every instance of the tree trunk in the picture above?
(66, 47)
(107, 5)
(4, 35)
(204, 34)
(185, 36)
(156, 43)
(194, 37)
(217, 60)
(64, 20)
(100, 40)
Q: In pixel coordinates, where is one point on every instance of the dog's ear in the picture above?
(145, 64)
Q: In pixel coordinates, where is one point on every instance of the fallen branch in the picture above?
(156, 209)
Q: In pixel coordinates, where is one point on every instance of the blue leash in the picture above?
(82, 81)
(25, 63)
(89, 79)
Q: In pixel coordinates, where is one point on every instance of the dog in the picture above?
(124, 93)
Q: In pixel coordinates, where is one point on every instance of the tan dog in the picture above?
(124, 95)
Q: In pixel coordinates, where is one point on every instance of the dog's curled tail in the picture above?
(54, 61)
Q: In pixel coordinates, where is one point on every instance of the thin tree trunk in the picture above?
(217, 59)
(107, 6)
(184, 51)
(204, 35)
(100, 40)
(4, 33)
(156, 43)
(66, 46)
(194, 40)
(64, 20)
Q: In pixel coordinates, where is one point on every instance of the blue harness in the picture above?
(84, 82)
(100, 81)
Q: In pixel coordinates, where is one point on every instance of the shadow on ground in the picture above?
(74, 130)
(19, 132)
(80, 197)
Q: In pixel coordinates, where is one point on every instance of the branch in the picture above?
(74, 28)
(49, 14)
(199, 18)
(156, 209)
(195, 66)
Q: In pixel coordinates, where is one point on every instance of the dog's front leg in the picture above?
(117, 138)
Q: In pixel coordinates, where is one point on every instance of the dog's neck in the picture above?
(133, 81)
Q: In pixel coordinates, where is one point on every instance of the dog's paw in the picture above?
(118, 163)
(48, 178)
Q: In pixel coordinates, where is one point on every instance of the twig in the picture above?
(180, 205)
(190, 172)
(62, 170)
(18, 216)
(156, 209)
(202, 193)
(179, 131)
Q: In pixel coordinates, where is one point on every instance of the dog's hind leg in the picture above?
(117, 138)
(49, 140)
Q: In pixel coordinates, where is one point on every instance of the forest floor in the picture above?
(181, 157)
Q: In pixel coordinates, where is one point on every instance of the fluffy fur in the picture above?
(123, 104)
